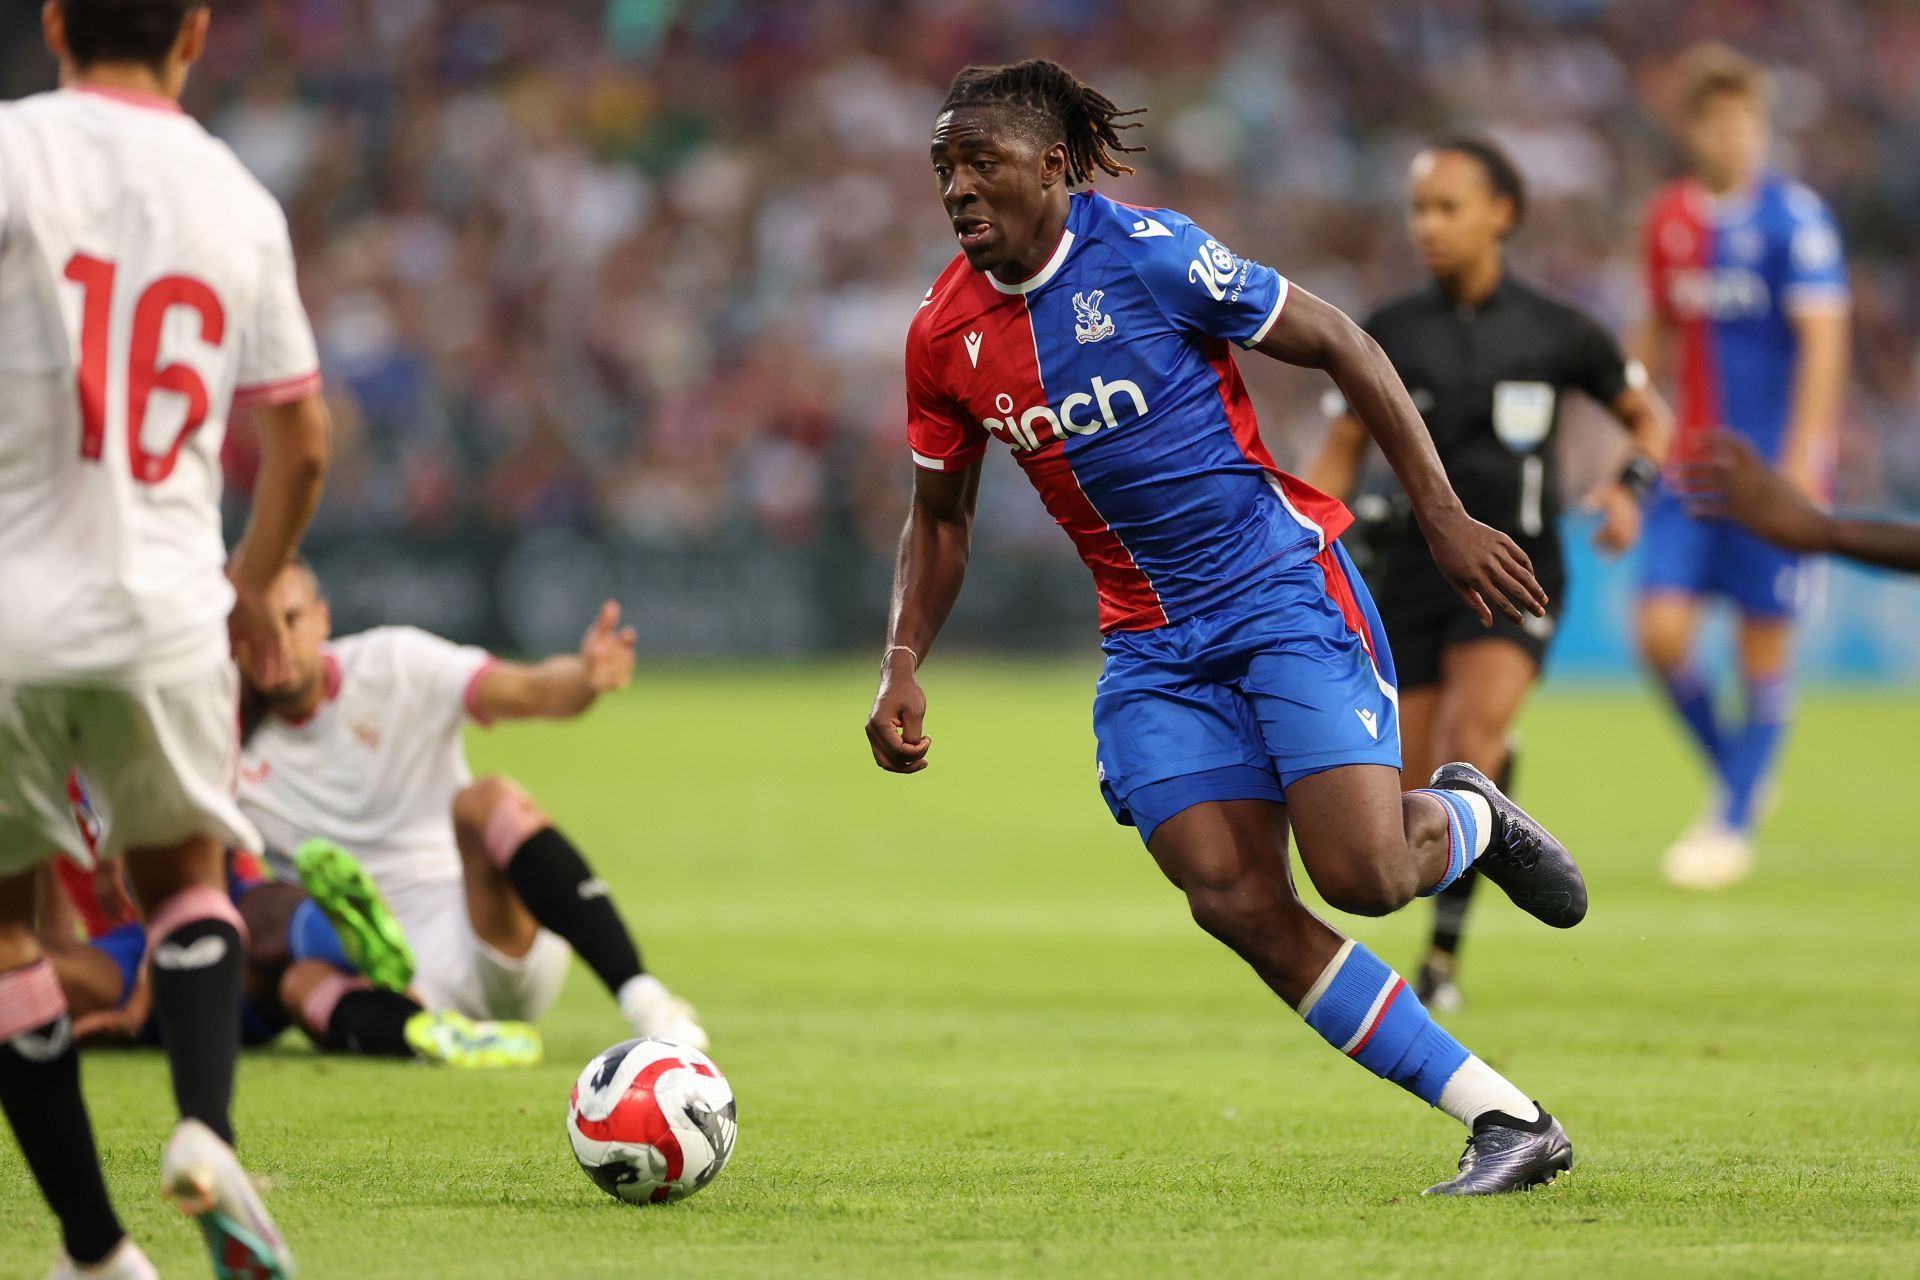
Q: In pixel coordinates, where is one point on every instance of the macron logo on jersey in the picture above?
(1147, 229)
(1028, 429)
(973, 341)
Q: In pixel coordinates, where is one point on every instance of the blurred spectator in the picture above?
(647, 265)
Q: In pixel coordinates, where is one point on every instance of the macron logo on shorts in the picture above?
(592, 888)
(201, 953)
(1370, 722)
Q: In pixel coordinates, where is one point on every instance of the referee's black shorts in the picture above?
(1424, 617)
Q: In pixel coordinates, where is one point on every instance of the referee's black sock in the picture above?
(40, 1093)
(1450, 904)
(563, 894)
(1450, 912)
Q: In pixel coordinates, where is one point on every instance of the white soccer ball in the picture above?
(651, 1121)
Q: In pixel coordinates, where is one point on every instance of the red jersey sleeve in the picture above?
(939, 431)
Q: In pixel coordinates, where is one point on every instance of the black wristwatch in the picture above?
(1639, 476)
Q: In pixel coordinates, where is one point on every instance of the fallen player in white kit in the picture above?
(360, 743)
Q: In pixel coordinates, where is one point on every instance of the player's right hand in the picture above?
(258, 632)
(899, 710)
(1487, 568)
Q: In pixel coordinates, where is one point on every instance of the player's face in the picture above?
(1728, 140)
(1455, 217)
(309, 623)
(997, 187)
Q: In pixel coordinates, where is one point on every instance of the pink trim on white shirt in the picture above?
(332, 680)
(471, 699)
(285, 391)
(132, 98)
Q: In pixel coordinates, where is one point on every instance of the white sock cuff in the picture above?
(1482, 819)
(1325, 980)
(1477, 1088)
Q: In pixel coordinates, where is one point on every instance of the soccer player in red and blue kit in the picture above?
(1750, 310)
(1248, 686)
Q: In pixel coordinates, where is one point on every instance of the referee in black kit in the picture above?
(1486, 358)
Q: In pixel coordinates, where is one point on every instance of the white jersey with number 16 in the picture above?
(146, 288)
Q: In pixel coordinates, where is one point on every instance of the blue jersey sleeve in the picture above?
(1199, 283)
(1815, 268)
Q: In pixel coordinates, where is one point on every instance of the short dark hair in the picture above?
(139, 31)
(1054, 105)
(1503, 176)
(1713, 70)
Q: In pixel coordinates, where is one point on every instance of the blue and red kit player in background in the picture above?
(1248, 687)
(1749, 306)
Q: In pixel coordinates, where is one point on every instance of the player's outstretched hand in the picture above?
(122, 1025)
(258, 634)
(607, 650)
(1619, 513)
(899, 711)
(1487, 569)
(1735, 483)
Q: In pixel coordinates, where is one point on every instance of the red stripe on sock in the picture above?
(1399, 985)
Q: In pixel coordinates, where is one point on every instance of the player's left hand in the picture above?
(1619, 513)
(607, 650)
(1735, 483)
(1487, 568)
(122, 1024)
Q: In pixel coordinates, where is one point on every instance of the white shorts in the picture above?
(159, 767)
(455, 970)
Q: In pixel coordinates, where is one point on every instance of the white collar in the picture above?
(1041, 276)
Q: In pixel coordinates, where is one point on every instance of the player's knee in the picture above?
(1663, 644)
(1239, 910)
(475, 805)
(19, 948)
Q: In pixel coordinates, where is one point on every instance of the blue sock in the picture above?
(1364, 1009)
(1694, 701)
(1751, 753)
(310, 936)
(1463, 835)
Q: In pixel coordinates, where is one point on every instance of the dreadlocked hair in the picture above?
(1056, 106)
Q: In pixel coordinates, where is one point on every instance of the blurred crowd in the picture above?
(646, 266)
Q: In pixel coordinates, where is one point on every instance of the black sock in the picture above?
(40, 1092)
(565, 896)
(197, 974)
(373, 1022)
(1450, 912)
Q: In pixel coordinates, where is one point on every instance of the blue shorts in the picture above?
(1684, 554)
(1293, 679)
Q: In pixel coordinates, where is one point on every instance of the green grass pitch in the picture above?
(974, 1034)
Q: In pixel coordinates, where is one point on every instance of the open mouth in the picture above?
(971, 231)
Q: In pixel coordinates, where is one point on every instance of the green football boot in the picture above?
(455, 1040)
(368, 930)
